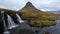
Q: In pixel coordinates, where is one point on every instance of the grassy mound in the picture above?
(41, 23)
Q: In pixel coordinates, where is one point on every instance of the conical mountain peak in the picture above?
(29, 5)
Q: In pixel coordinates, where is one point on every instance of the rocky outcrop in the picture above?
(1, 25)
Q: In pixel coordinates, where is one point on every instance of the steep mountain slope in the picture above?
(30, 11)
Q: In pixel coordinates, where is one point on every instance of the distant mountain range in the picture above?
(55, 12)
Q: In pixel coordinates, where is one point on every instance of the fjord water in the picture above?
(19, 18)
(4, 24)
(11, 23)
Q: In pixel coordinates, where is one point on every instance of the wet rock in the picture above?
(37, 31)
(46, 32)
(1, 25)
(23, 31)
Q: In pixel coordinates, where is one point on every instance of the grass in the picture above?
(41, 23)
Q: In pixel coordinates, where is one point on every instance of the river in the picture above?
(52, 29)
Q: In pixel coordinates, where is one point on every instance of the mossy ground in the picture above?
(41, 23)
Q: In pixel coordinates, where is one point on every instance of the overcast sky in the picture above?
(46, 5)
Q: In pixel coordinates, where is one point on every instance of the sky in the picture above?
(44, 5)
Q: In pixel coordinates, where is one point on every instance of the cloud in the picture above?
(12, 4)
(39, 4)
(49, 4)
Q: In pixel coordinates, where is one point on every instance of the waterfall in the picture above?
(11, 23)
(19, 18)
(5, 28)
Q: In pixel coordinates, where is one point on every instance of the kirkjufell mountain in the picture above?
(31, 8)
(29, 5)
(37, 17)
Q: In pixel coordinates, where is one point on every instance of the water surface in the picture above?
(52, 29)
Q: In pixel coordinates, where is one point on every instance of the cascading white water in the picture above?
(19, 18)
(5, 28)
(11, 23)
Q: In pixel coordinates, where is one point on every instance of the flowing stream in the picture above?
(52, 29)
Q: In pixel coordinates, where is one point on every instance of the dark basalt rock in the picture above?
(1, 25)
(5, 17)
(37, 31)
(13, 16)
(29, 5)
(23, 31)
(46, 32)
